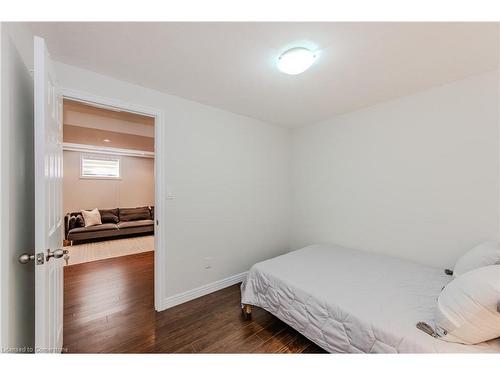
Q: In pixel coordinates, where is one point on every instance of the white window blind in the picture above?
(99, 167)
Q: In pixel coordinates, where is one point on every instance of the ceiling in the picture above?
(89, 116)
(232, 65)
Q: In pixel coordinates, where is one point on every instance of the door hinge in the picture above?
(40, 258)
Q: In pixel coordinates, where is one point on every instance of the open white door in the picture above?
(48, 205)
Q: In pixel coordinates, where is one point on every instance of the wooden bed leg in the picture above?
(247, 311)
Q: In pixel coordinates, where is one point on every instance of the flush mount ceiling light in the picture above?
(107, 140)
(296, 60)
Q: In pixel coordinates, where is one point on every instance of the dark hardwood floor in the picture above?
(109, 308)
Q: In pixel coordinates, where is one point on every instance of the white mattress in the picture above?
(351, 301)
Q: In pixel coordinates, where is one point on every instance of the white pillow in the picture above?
(467, 308)
(484, 254)
(91, 217)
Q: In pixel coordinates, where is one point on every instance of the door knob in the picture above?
(56, 254)
(26, 258)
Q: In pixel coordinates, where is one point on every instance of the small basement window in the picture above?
(93, 166)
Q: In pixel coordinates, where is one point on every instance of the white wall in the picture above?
(16, 195)
(415, 177)
(230, 175)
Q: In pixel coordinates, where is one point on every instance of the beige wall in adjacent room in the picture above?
(135, 188)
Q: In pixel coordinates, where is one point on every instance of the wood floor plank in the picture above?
(312, 348)
(109, 308)
(276, 343)
(297, 345)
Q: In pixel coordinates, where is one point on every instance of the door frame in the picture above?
(160, 177)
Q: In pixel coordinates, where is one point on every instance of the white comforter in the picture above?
(351, 301)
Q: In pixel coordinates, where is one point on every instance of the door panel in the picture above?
(17, 194)
(48, 203)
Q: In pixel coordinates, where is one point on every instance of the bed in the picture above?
(352, 301)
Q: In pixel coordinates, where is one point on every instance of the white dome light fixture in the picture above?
(296, 60)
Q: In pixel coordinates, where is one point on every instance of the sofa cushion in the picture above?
(109, 215)
(94, 228)
(131, 214)
(92, 217)
(133, 224)
(79, 221)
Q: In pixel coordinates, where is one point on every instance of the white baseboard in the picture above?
(177, 299)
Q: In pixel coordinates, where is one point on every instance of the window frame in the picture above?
(100, 157)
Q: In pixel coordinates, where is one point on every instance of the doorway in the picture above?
(108, 182)
(110, 217)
